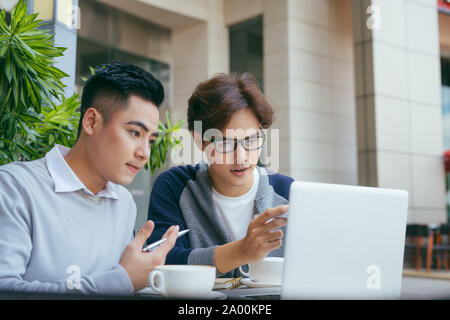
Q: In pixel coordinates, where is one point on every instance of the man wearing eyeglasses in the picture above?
(229, 204)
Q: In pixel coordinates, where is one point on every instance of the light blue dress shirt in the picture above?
(56, 235)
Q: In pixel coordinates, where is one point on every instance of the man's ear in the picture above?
(198, 139)
(91, 121)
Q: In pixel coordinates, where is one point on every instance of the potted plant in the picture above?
(31, 122)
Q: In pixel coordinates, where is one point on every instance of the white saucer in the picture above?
(213, 295)
(147, 290)
(258, 284)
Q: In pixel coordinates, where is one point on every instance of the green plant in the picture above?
(31, 122)
(29, 83)
(166, 138)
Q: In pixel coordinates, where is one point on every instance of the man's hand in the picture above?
(137, 263)
(256, 245)
(261, 239)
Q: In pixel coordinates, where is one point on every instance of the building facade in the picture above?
(359, 86)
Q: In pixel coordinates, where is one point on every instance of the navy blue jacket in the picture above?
(183, 196)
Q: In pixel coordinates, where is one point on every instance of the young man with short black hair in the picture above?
(66, 224)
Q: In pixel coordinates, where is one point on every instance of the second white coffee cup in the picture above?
(183, 281)
(269, 270)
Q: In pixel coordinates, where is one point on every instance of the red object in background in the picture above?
(447, 161)
(444, 6)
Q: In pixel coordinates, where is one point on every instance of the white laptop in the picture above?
(344, 242)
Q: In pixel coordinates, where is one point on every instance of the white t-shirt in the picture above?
(237, 212)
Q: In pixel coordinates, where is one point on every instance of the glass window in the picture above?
(246, 54)
(159, 69)
(8, 17)
(108, 34)
(246, 48)
(90, 54)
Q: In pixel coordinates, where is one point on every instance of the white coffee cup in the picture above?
(183, 281)
(268, 270)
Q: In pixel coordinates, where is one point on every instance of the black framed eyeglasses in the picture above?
(225, 145)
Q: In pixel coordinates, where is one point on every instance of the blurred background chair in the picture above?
(430, 243)
(442, 246)
(419, 240)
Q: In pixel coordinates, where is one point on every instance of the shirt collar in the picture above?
(66, 180)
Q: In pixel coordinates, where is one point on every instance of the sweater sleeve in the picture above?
(281, 184)
(164, 211)
(16, 247)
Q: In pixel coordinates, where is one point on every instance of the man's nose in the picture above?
(143, 151)
(240, 154)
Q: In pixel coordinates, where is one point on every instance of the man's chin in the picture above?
(124, 180)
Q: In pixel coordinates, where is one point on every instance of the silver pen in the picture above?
(156, 244)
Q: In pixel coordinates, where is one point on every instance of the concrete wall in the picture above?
(309, 76)
(400, 138)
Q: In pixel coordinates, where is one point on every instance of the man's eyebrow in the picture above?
(143, 126)
(257, 134)
(139, 124)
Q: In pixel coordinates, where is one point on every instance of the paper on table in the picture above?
(220, 283)
(226, 283)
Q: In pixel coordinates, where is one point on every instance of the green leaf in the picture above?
(38, 37)
(8, 94)
(26, 150)
(11, 128)
(18, 59)
(18, 13)
(163, 152)
(3, 49)
(29, 118)
(8, 68)
(29, 23)
(51, 140)
(169, 123)
(26, 48)
(158, 140)
(157, 157)
(16, 93)
(3, 25)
